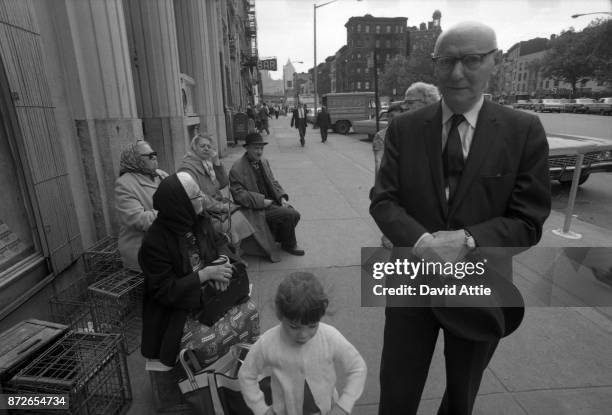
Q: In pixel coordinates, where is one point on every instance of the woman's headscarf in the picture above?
(132, 162)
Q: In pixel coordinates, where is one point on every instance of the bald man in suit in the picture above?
(456, 175)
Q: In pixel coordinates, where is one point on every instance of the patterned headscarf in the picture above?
(131, 162)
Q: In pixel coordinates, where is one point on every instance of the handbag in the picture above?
(217, 303)
(215, 389)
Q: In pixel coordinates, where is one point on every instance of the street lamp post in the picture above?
(586, 14)
(315, 7)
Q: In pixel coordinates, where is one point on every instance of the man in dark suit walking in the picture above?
(457, 175)
(323, 121)
(299, 121)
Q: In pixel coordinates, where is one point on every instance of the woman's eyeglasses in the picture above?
(199, 195)
(151, 155)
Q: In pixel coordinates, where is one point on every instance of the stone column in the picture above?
(197, 34)
(92, 39)
(151, 33)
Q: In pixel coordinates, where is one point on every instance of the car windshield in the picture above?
(551, 101)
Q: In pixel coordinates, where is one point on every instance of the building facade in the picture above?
(81, 79)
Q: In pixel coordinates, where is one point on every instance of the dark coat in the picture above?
(243, 186)
(171, 287)
(297, 121)
(323, 120)
(503, 196)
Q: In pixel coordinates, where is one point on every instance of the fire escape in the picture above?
(249, 57)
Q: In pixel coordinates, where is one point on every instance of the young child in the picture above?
(299, 354)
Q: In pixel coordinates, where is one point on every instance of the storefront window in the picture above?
(16, 241)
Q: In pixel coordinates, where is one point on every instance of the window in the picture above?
(359, 28)
(367, 85)
(398, 29)
(377, 28)
(358, 85)
(388, 28)
(289, 84)
(366, 70)
(358, 70)
(388, 43)
(377, 43)
(367, 28)
(556, 83)
(359, 56)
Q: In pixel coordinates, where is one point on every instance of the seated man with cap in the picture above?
(265, 203)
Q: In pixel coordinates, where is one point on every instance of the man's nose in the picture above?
(457, 70)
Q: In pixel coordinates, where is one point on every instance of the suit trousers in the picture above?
(282, 221)
(409, 342)
(302, 131)
(323, 131)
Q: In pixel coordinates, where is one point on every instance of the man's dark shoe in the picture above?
(293, 250)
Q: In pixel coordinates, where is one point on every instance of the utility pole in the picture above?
(376, 103)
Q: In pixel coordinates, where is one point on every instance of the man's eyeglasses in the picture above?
(150, 155)
(471, 61)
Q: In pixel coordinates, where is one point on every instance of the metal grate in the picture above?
(118, 303)
(73, 307)
(90, 368)
(102, 259)
(570, 161)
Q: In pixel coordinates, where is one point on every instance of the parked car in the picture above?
(369, 126)
(531, 103)
(549, 105)
(577, 105)
(602, 106)
(562, 157)
(520, 104)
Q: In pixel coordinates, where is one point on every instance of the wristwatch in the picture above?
(469, 239)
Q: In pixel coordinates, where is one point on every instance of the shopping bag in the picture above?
(216, 389)
(208, 343)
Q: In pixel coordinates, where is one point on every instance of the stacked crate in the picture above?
(117, 299)
(89, 369)
(73, 307)
(102, 259)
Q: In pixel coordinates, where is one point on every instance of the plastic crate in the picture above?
(118, 305)
(90, 368)
(73, 307)
(102, 259)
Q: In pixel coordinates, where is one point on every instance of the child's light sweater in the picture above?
(290, 365)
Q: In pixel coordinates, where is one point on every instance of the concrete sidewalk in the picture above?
(558, 362)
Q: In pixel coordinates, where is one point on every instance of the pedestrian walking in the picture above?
(301, 355)
(456, 175)
(298, 120)
(262, 119)
(323, 121)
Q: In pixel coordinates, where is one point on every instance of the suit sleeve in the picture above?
(292, 118)
(530, 201)
(392, 219)
(241, 194)
(221, 174)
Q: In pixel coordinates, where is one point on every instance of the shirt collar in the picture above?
(471, 115)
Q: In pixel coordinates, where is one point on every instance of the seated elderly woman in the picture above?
(202, 163)
(418, 95)
(138, 179)
(174, 256)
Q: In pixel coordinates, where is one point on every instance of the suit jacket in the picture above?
(297, 121)
(323, 120)
(503, 197)
(244, 190)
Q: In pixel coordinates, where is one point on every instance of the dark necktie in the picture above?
(452, 156)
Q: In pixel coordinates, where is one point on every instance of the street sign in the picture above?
(267, 64)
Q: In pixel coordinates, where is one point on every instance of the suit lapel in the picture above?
(433, 144)
(484, 136)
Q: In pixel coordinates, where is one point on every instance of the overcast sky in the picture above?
(285, 27)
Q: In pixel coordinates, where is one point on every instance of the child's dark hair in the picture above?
(300, 298)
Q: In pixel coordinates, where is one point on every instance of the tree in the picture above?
(597, 39)
(400, 72)
(568, 58)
